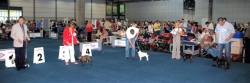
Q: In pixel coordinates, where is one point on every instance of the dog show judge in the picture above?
(69, 39)
(19, 34)
(131, 35)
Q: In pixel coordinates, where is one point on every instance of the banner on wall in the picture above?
(203, 21)
(46, 23)
(65, 20)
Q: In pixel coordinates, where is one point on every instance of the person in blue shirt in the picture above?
(224, 32)
(38, 26)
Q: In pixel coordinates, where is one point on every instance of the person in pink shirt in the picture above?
(89, 29)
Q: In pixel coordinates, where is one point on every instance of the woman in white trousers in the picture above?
(69, 39)
(176, 32)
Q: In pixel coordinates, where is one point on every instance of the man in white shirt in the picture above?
(131, 35)
(224, 32)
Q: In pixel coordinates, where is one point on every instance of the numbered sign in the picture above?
(64, 50)
(86, 50)
(10, 58)
(38, 55)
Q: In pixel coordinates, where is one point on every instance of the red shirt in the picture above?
(67, 36)
(89, 27)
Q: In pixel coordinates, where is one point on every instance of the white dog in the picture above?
(142, 54)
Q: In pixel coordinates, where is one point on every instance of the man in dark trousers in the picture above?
(247, 45)
(19, 34)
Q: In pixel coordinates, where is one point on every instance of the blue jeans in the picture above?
(127, 49)
(212, 51)
(227, 47)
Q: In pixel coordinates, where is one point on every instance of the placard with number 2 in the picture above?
(39, 55)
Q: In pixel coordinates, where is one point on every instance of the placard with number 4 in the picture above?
(86, 50)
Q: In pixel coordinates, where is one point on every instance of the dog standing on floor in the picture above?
(83, 59)
(26, 64)
(142, 54)
(221, 62)
(187, 56)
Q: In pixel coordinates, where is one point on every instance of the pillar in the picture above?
(80, 12)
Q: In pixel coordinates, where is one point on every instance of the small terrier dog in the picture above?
(187, 56)
(221, 62)
(83, 59)
(142, 54)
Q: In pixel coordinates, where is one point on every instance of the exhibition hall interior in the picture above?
(124, 41)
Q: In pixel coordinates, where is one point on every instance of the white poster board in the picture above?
(86, 50)
(63, 51)
(38, 55)
(119, 43)
(10, 58)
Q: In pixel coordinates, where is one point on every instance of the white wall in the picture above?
(65, 9)
(98, 9)
(45, 9)
(189, 15)
(170, 10)
(201, 11)
(233, 10)
(27, 7)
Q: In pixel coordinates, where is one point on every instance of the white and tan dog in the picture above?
(142, 54)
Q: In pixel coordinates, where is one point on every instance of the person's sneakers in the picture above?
(126, 58)
(74, 63)
(133, 58)
(66, 63)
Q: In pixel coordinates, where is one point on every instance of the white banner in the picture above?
(2, 55)
(121, 43)
(94, 45)
(33, 35)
